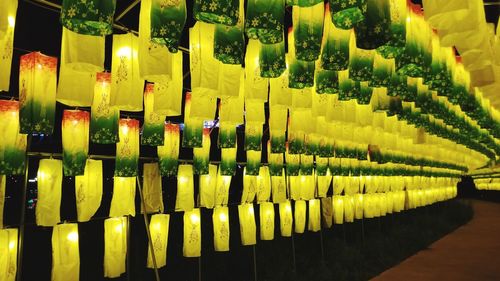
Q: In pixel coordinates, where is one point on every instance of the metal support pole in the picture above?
(128, 249)
(254, 263)
(199, 268)
(363, 230)
(322, 246)
(293, 255)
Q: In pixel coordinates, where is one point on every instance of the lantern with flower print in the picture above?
(374, 30)
(168, 153)
(300, 72)
(347, 13)
(382, 71)
(8, 11)
(395, 46)
(299, 216)
(88, 190)
(154, 124)
(75, 141)
(265, 20)
(127, 149)
(308, 31)
(292, 162)
(229, 39)
(168, 18)
(193, 127)
(224, 12)
(220, 219)
(201, 155)
(335, 46)
(12, 144)
(65, 252)
(159, 227)
(228, 161)
(90, 17)
(104, 118)
(272, 59)
(115, 246)
(256, 86)
(184, 200)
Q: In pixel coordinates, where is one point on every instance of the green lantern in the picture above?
(224, 12)
(229, 41)
(397, 85)
(104, 118)
(154, 123)
(306, 164)
(127, 149)
(168, 18)
(292, 163)
(346, 13)
(253, 162)
(361, 64)
(201, 155)
(227, 135)
(335, 49)
(272, 59)
(228, 161)
(374, 31)
(308, 31)
(364, 93)
(265, 20)
(396, 44)
(89, 17)
(347, 86)
(382, 71)
(303, 3)
(253, 135)
(327, 81)
(168, 153)
(275, 161)
(300, 73)
(12, 144)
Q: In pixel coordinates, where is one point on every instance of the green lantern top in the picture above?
(217, 11)
(347, 13)
(265, 20)
(89, 17)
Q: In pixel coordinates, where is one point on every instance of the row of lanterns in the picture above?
(487, 184)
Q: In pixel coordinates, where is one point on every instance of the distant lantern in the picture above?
(247, 224)
(286, 219)
(88, 190)
(3, 180)
(272, 60)
(278, 185)
(159, 228)
(49, 192)
(300, 72)
(347, 13)
(335, 47)
(220, 219)
(360, 63)
(253, 133)
(104, 118)
(292, 162)
(115, 246)
(207, 185)
(263, 185)
(324, 183)
(228, 161)
(168, 95)
(266, 211)
(37, 93)
(184, 200)
(253, 162)
(8, 11)
(374, 30)
(249, 187)
(327, 211)
(93, 17)
(192, 135)
(338, 209)
(256, 86)
(201, 155)
(153, 131)
(152, 189)
(308, 31)
(382, 71)
(204, 66)
(314, 221)
(8, 250)
(168, 153)
(75, 140)
(127, 149)
(229, 39)
(167, 22)
(396, 44)
(349, 208)
(65, 252)
(12, 144)
(192, 234)
(300, 216)
(82, 53)
(265, 20)
(275, 161)
(126, 84)
(222, 189)
(123, 201)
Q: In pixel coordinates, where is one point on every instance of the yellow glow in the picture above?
(222, 217)
(12, 244)
(312, 202)
(125, 129)
(118, 228)
(73, 236)
(288, 208)
(183, 180)
(195, 219)
(75, 122)
(408, 19)
(157, 226)
(124, 52)
(12, 21)
(250, 210)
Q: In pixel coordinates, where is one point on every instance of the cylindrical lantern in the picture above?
(253, 136)
(361, 64)
(75, 88)
(327, 211)
(231, 77)
(8, 253)
(49, 192)
(88, 190)
(347, 86)
(220, 219)
(256, 87)
(104, 118)
(348, 208)
(335, 49)
(358, 206)
(82, 53)
(192, 234)
(286, 219)
(127, 149)
(37, 93)
(253, 162)
(7, 24)
(65, 252)
(75, 141)
(229, 39)
(168, 94)
(308, 31)
(207, 185)
(338, 209)
(227, 135)
(300, 216)
(204, 66)
(326, 81)
(201, 155)
(300, 73)
(153, 131)
(347, 13)
(192, 135)
(158, 227)
(265, 20)
(374, 30)
(7, 15)
(278, 184)
(263, 184)
(275, 161)
(314, 221)
(126, 84)
(382, 71)
(266, 211)
(115, 246)
(185, 189)
(223, 12)
(168, 153)
(249, 187)
(222, 189)
(228, 161)
(167, 22)
(153, 195)
(94, 17)
(12, 144)
(123, 201)
(247, 224)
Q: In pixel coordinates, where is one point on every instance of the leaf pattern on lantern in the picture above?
(122, 72)
(89, 17)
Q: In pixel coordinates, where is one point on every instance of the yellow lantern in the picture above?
(327, 211)
(65, 252)
(286, 219)
(201, 155)
(49, 178)
(256, 87)
(275, 160)
(348, 208)
(193, 126)
(228, 161)
(2, 198)
(220, 219)
(75, 141)
(208, 184)
(306, 164)
(249, 187)
(222, 189)
(7, 24)
(294, 185)
(192, 234)
(300, 216)
(127, 149)
(8, 253)
(314, 221)
(88, 190)
(168, 153)
(231, 111)
(277, 128)
(168, 94)
(247, 224)
(115, 246)
(104, 122)
(324, 183)
(338, 209)
(75, 88)
(278, 185)
(12, 144)
(263, 184)
(307, 187)
(37, 93)
(83, 53)
(158, 227)
(153, 195)
(184, 200)
(153, 131)
(123, 201)
(253, 161)
(358, 206)
(266, 211)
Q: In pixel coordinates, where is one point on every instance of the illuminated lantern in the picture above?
(7, 24)
(364, 93)
(230, 115)
(201, 155)
(222, 189)
(229, 39)
(358, 206)
(335, 47)
(185, 189)
(104, 118)
(37, 93)
(374, 31)
(192, 135)
(126, 84)
(296, 136)
(249, 187)
(153, 197)
(208, 184)
(347, 13)
(247, 224)
(167, 21)
(347, 86)
(127, 149)
(396, 44)
(286, 219)
(266, 211)
(327, 211)
(88, 190)
(49, 192)
(153, 131)
(338, 209)
(382, 71)
(360, 64)
(222, 12)
(256, 87)
(75, 88)
(228, 161)
(326, 81)
(12, 144)
(8, 253)
(292, 162)
(278, 184)
(75, 140)
(294, 187)
(83, 53)
(265, 20)
(8, 15)
(263, 184)
(275, 161)
(168, 94)
(322, 165)
(123, 201)
(220, 219)
(254, 119)
(204, 66)
(300, 216)
(300, 73)
(158, 227)
(253, 162)
(314, 221)
(324, 183)
(2, 198)
(308, 31)
(192, 234)
(168, 153)
(277, 128)
(348, 208)
(91, 18)
(272, 60)
(306, 164)
(115, 246)
(65, 252)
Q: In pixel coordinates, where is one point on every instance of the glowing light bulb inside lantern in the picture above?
(195, 219)
(408, 19)
(75, 122)
(183, 180)
(303, 179)
(157, 227)
(12, 21)
(125, 130)
(222, 217)
(12, 245)
(39, 65)
(124, 52)
(73, 236)
(250, 210)
(118, 228)
(288, 208)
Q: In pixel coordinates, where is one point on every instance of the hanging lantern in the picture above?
(185, 189)
(167, 21)
(327, 81)
(348, 208)
(300, 72)
(300, 216)
(222, 12)
(115, 246)
(8, 15)
(374, 31)
(263, 184)
(152, 190)
(347, 86)
(335, 47)
(8, 253)
(278, 117)
(247, 224)
(272, 60)
(123, 201)
(360, 64)
(249, 187)
(228, 161)
(168, 153)
(396, 44)
(296, 135)
(37, 93)
(347, 13)
(13, 144)
(153, 131)
(192, 135)
(306, 164)
(230, 115)
(127, 149)
(222, 189)
(168, 94)
(229, 39)
(323, 183)
(338, 209)
(201, 155)
(364, 93)
(314, 221)
(278, 184)
(49, 192)
(382, 71)
(265, 20)
(75, 140)
(126, 84)
(204, 66)
(253, 162)
(75, 88)
(220, 219)
(322, 166)
(192, 234)
(83, 53)
(90, 18)
(275, 161)
(256, 87)
(231, 77)
(158, 227)
(104, 122)
(88, 190)
(65, 252)
(327, 211)
(2, 198)
(253, 136)
(7, 24)
(292, 162)
(308, 31)
(286, 219)
(208, 184)
(266, 211)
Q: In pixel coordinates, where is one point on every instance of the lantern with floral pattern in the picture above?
(308, 31)
(75, 149)
(192, 234)
(168, 18)
(127, 149)
(347, 13)
(201, 155)
(91, 17)
(229, 39)
(104, 118)
(154, 124)
(265, 20)
(220, 219)
(12, 144)
(65, 252)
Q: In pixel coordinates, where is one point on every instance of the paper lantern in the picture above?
(347, 13)
(382, 71)
(127, 149)
(338, 209)
(222, 189)
(249, 187)
(263, 184)
(8, 15)
(396, 44)
(168, 94)
(185, 189)
(327, 211)
(204, 66)
(253, 162)
(300, 216)
(275, 161)
(308, 31)
(253, 136)
(192, 234)
(201, 155)
(292, 162)
(220, 219)
(306, 164)
(208, 184)
(104, 118)
(126, 84)
(228, 161)
(278, 184)
(12, 144)
(314, 221)
(335, 47)
(229, 39)
(123, 201)
(286, 219)
(167, 22)
(83, 53)
(324, 183)
(3, 179)
(326, 81)
(49, 192)
(152, 190)
(348, 202)
(347, 86)
(37, 93)
(272, 60)
(265, 20)
(7, 25)
(361, 64)
(75, 88)
(278, 117)
(300, 72)
(88, 190)
(158, 227)
(91, 18)
(153, 131)
(247, 224)
(256, 87)
(266, 211)
(192, 135)
(374, 30)
(8, 253)
(75, 141)
(65, 252)
(168, 153)
(358, 206)
(115, 246)
(222, 12)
